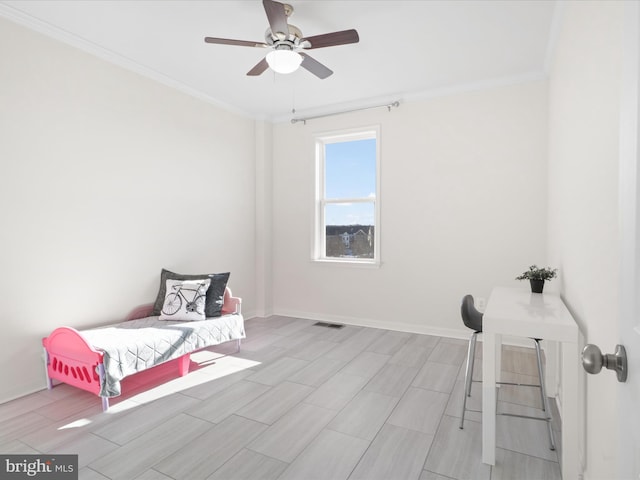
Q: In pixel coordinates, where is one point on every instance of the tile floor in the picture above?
(297, 402)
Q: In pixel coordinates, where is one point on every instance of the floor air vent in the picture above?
(328, 325)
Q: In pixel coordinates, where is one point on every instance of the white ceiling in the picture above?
(407, 49)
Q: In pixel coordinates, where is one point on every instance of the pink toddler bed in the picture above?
(98, 359)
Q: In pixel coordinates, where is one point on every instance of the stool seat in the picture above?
(472, 319)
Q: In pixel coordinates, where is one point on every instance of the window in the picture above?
(347, 226)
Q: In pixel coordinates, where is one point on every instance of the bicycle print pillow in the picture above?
(215, 293)
(185, 300)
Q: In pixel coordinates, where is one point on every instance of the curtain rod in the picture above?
(387, 105)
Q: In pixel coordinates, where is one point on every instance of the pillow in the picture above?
(215, 293)
(184, 300)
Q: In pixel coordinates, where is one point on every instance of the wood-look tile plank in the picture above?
(296, 325)
(436, 376)
(364, 416)
(88, 448)
(411, 356)
(331, 456)
(312, 350)
(295, 340)
(153, 475)
(521, 434)
(510, 465)
(366, 364)
(49, 437)
(428, 342)
(139, 455)
(419, 410)
(474, 402)
(203, 455)
(338, 335)
(448, 353)
(355, 344)
(392, 380)
(389, 343)
(229, 401)
(27, 404)
(317, 372)
(88, 474)
(15, 446)
(529, 396)
(426, 475)
(278, 371)
(286, 438)
(216, 385)
(250, 465)
(70, 406)
(22, 425)
(395, 453)
(263, 357)
(457, 453)
(336, 392)
(454, 341)
(272, 405)
(257, 343)
(134, 422)
(520, 360)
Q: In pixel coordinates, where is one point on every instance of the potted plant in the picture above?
(537, 276)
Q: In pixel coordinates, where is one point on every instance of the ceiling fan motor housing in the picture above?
(294, 37)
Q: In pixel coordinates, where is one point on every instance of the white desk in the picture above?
(518, 312)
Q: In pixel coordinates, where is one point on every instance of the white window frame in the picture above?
(319, 228)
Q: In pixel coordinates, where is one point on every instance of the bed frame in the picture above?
(70, 359)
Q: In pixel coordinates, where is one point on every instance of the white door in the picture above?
(629, 321)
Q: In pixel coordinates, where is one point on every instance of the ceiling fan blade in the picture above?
(277, 17)
(239, 43)
(330, 39)
(260, 67)
(315, 67)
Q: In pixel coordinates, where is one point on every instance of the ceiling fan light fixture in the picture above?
(284, 61)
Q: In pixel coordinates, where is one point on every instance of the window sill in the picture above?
(347, 263)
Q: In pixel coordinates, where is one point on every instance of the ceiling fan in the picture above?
(287, 43)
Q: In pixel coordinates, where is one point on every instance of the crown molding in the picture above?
(417, 96)
(80, 43)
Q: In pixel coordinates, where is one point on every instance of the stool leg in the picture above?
(543, 393)
(468, 376)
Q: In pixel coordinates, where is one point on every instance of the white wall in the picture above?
(106, 177)
(584, 99)
(264, 200)
(463, 198)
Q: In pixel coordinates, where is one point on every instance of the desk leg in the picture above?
(570, 370)
(489, 398)
(551, 370)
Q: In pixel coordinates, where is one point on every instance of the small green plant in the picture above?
(535, 273)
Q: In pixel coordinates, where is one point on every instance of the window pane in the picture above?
(349, 230)
(350, 169)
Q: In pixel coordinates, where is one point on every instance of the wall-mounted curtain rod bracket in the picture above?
(387, 105)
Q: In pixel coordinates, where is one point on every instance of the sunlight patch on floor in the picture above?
(216, 366)
(82, 422)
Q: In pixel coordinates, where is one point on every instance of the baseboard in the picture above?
(462, 334)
